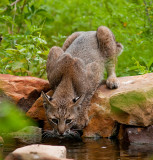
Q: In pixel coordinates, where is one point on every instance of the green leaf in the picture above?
(17, 65)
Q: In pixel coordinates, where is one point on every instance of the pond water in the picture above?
(94, 149)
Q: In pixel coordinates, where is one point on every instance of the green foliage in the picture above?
(26, 58)
(145, 67)
(30, 27)
(11, 118)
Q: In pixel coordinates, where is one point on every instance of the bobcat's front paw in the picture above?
(112, 82)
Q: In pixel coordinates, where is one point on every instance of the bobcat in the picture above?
(74, 72)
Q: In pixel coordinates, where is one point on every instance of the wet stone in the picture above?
(39, 152)
(28, 135)
(32, 156)
(139, 135)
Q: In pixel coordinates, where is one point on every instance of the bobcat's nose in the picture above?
(61, 128)
(61, 132)
(61, 135)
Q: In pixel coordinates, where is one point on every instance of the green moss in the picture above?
(150, 93)
(127, 99)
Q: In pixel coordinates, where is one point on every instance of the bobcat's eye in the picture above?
(68, 121)
(55, 121)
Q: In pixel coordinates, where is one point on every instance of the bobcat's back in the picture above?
(85, 47)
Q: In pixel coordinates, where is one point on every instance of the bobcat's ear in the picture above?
(77, 103)
(78, 100)
(46, 100)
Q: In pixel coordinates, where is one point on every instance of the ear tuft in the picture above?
(45, 96)
(49, 98)
(47, 101)
(78, 100)
(75, 99)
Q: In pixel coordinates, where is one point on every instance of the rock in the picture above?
(28, 135)
(32, 156)
(43, 151)
(140, 135)
(130, 104)
(100, 125)
(4, 97)
(121, 132)
(37, 112)
(23, 90)
(1, 140)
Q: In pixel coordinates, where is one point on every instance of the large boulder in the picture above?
(130, 104)
(22, 90)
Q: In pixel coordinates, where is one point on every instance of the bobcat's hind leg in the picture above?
(106, 41)
(111, 81)
(70, 39)
(109, 49)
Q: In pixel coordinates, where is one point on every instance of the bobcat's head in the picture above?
(62, 115)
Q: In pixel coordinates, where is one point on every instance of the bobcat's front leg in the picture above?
(53, 76)
(94, 75)
(111, 81)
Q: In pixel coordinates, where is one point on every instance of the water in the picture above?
(94, 149)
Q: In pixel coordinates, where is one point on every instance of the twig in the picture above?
(15, 2)
(12, 4)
